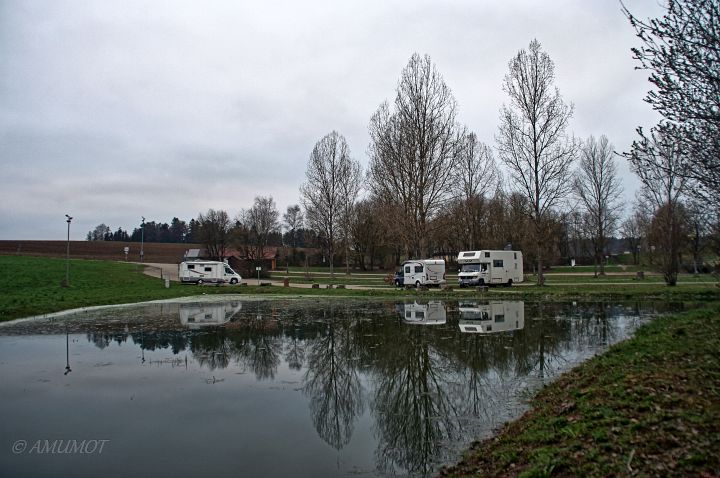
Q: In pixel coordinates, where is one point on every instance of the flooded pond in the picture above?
(282, 387)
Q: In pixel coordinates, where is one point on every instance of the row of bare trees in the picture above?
(426, 168)
(433, 188)
(429, 175)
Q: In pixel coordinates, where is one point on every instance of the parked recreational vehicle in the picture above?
(431, 313)
(490, 267)
(202, 272)
(492, 317)
(424, 272)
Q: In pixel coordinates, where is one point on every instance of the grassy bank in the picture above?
(648, 407)
(31, 286)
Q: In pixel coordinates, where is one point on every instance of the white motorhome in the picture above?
(493, 317)
(424, 272)
(203, 272)
(490, 267)
(431, 313)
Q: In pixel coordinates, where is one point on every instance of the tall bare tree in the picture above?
(682, 51)
(532, 139)
(598, 188)
(293, 219)
(258, 223)
(214, 230)
(477, 177)
(367, 231)
(350, 188)
(660, 163)
(323, 192)
(633, 229)
(413, 149)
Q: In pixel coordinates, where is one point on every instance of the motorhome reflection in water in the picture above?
(195, 316)
(492, 317)
(430, 313)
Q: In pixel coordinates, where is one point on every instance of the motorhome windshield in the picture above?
(474, 267)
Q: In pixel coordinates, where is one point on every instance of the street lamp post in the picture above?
(67, 253)
(142, 239)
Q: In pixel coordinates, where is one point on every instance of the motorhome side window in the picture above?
(407, 269)
(208, 269)
(468, 254)
(487, 254)
(228, 270)
(497, 263)
(418, 268)
(191, 266)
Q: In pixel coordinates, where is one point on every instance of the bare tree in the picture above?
(633, 229)
(598, 188)
(293, 219)
(476, 174)
(413, 149)
(100, 233)
(350, 188)
(699, 223)
(367, 231)
(258, 223)
(532, 141)
(660, 163)
(214, 229)
(329, 168)
(682, 50)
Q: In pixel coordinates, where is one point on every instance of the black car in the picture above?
(399, 279)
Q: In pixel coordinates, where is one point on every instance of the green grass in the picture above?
(31, 286)
(648, 407)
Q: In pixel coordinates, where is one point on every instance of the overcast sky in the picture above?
(114, 110)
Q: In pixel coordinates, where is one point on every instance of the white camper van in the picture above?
(490, 267)
(493, 317)
(203, 272)
(424, 272)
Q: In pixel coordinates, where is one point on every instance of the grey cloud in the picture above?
(110, 110)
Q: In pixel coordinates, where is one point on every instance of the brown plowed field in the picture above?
(103, 250)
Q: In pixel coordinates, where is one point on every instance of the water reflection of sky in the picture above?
(284, 387)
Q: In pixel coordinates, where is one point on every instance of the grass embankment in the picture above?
(648, 407)
(31, 286)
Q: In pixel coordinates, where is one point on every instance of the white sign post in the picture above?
(258, 269)
(126, 250)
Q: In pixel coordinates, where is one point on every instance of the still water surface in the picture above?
(296, 387)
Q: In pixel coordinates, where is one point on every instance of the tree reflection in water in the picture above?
(332, 381)
(429, 387)
(413, 407)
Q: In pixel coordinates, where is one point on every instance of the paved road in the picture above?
(170, 271)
